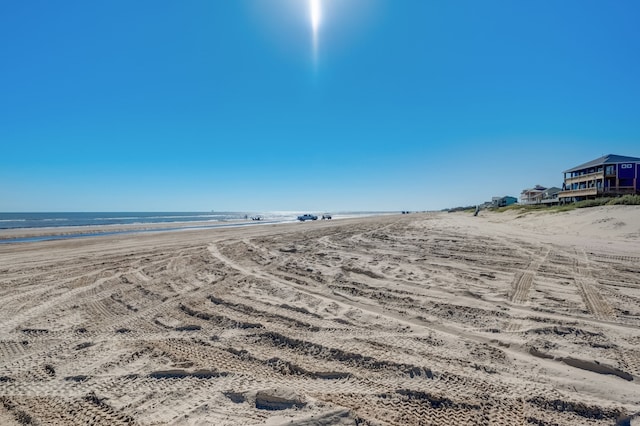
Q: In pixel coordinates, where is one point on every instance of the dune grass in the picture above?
(627, 200)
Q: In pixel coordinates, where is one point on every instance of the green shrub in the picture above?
(591, 203)
(627, 200)
(523, 207)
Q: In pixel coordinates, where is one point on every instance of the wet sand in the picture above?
(442, 319)
(7, 235)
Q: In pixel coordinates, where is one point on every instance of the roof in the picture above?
(607, 159)
(552, 190)
(536, 189)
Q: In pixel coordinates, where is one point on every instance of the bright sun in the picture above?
(316, 16)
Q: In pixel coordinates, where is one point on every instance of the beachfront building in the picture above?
(532, 195)
(610, 175)
(551, 195)
(503, 201)
(540, 195)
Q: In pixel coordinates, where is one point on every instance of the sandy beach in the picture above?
(423, 319)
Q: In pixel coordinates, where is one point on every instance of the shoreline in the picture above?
(32, 234)
(19, 235)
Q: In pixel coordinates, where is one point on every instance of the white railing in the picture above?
(584, 178)
(578, 193)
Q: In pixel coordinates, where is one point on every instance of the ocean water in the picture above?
(180, 219)
(46, 220)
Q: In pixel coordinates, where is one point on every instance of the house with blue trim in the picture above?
(505, 201)
(608, 176)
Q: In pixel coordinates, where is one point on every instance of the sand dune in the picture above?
(441, 319)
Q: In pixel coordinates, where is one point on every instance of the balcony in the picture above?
(584, 178)
(532, 200)
(587, 192)
(605, 192)
(617, 190)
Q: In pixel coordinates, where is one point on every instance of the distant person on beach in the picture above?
(477, 211)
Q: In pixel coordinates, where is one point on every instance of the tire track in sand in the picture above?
(524, 281)
(595, 303)
(522, 284)
(37, 311)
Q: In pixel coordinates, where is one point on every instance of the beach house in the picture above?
(550, 195)
(540, 195)
(610, 175)
(505, 201)
(532, 195)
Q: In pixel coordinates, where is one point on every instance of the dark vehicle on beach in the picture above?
(307, 216)
(326, 216)
(257, 217)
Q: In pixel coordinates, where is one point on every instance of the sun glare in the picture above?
(316, 16)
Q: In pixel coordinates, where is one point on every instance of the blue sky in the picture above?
(224, 105)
